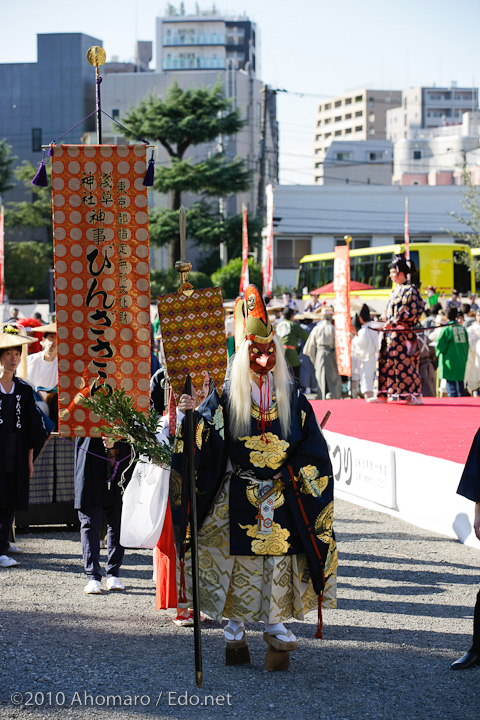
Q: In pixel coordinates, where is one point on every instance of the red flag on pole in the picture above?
(406, 232)
(244, 277)
(2, 256)
(341, 286)
(267, 265)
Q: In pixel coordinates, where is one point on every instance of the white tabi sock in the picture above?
(280, 632)
(234, 629)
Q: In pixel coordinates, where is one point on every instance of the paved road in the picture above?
(405, 601)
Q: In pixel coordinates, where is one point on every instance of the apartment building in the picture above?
(430, 107)
(206, 42)
(358, 115)
(438, 156)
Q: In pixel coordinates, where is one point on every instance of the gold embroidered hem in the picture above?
(266, 588)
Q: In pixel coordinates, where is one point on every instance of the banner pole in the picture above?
(96, 56)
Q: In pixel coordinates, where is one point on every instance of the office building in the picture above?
(357, 115)
(430, 107)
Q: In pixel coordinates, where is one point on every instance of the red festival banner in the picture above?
(267, 264)
(341, 286)
(102, 278)
(406, 233)
(244, 277)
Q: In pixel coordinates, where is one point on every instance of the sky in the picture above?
(312, 48)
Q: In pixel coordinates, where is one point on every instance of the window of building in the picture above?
(338, 118)
(318, 165)
(371, 101)
(359, 98)
(36, 139)
(338, 103)
(417, 154)
(371, 117)
(371, 131)
(319, 136)
(359, 128)
(375, 156)
(348, 131)
(327, 135)
(319, 123)
(342, 156)
(348, 116)
(289, 251)
(328, 106)
(115, 113)
(337, 133)
(357, 243)
(348, 101)
(359, 113)
(328, 121)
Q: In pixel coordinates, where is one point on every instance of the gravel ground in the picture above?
(405, 601)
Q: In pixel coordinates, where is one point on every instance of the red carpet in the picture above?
(442, 427)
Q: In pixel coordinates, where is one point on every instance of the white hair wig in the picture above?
(240, 393)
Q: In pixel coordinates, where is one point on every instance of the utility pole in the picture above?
(262, 157)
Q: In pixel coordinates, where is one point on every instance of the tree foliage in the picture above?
(228, 277)
(206, 228)
(38, 212)
(185, 119)
(26, 269)
(471, 203)
(6, 167)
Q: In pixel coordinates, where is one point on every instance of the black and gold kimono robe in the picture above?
(303, 509)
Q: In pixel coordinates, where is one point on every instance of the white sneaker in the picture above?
(5, 561)
(92, 587)
(14, 548)
(114, 583)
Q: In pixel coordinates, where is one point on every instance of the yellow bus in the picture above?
(443, 265)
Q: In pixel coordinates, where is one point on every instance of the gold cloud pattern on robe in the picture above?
(273, 544)
(218, 421)
(312, 483)
(175, 488)
(199, 433)
(269, 450)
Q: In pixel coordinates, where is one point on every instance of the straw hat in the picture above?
(307, 315)
(50, 328)
(325, 312)
(10, 336)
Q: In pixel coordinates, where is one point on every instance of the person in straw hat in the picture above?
(21, 428)
(42, 368)
(320, 348)
(259, 560)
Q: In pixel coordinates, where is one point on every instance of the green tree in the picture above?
(471, 203)
(207, 229)
(184, 119)
(36, 213)
(26, 269)
(228, 277)
(6, 167)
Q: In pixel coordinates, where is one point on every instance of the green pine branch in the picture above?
(125, 422)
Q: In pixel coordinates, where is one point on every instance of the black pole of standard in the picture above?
(190, 469)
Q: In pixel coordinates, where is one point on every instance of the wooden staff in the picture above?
(183, 268)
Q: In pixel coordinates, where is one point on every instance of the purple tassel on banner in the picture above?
(149, 175)
(40, 179)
